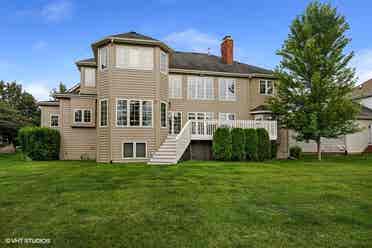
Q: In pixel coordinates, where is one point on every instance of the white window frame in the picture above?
(134, 142)
(172, 89)
(225, 96)
(83, 116)
(100, 58)
(50, 118)
(205, 114)
(220, 114)
(165, 63)
(86, 83)
(139, 57)
(266, 87)
(107, 111)
(203, 95)
(166, 114)
(128, 113)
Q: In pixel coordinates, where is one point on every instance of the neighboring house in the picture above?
(358, 142)
(139, 100)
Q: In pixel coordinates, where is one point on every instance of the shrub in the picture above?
(295, 152)
(274, 149)
(251, 144)
(222, 144)
(238, 144)
(263, 144)
(39, 143)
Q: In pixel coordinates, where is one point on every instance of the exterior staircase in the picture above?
(167, 153)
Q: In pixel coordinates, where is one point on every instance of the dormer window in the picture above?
(103, 58)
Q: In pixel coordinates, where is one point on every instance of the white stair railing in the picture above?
(204, 129)
(183, 140)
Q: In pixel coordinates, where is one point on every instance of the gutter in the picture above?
(216, 73)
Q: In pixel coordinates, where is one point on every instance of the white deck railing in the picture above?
(204, 130)
(183, 140)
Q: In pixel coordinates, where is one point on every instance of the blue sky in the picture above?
(41, 40)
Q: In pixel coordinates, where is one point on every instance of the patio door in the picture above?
(199, 126)
(175, 122)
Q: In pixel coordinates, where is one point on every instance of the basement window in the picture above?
(134, 150)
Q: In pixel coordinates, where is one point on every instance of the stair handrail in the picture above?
(183, 139)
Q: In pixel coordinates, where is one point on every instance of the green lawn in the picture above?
(194, 204)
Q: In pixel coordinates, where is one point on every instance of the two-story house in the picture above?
(139, 100)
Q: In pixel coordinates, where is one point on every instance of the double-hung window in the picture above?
(134, 57)
(163, 62)
(103, 54)
(54, 120)
(89, 77)
(175, 86)
(134, 150)
(103, 114)
(227, 89)
(133, 113)
(227, 116)
(266, 87)
(82, 115)
(200, 88)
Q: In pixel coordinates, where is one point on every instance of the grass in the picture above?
(195, 204)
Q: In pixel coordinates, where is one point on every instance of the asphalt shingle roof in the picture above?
(206, 62)
(133, 35)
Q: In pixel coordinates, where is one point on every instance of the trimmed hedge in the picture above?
(40, 143)
(251, 141)
(274, 149)
(263, 144)
(222, 144)
(295, 152)
(238, 144)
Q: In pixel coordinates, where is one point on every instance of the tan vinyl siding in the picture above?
(46, 112)
(77, 143)
(103, 139)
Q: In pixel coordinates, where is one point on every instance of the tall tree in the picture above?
(314, 79)
(17, 108)
(61, 89)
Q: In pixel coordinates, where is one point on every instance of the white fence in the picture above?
(204, 130)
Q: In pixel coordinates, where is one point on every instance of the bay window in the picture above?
(103, 56)
(163, 62)
(103, 108)
(133, 113)
(134, 57)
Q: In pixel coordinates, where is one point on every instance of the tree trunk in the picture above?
(318, 149)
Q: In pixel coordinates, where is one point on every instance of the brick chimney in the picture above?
(227, 50)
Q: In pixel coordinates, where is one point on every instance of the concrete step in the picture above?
(166, 153)
(161, 162)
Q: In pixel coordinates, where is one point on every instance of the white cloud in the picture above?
(39, 45)
(57, 10)
(39, 89)
(363, 64)
(194, 40)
